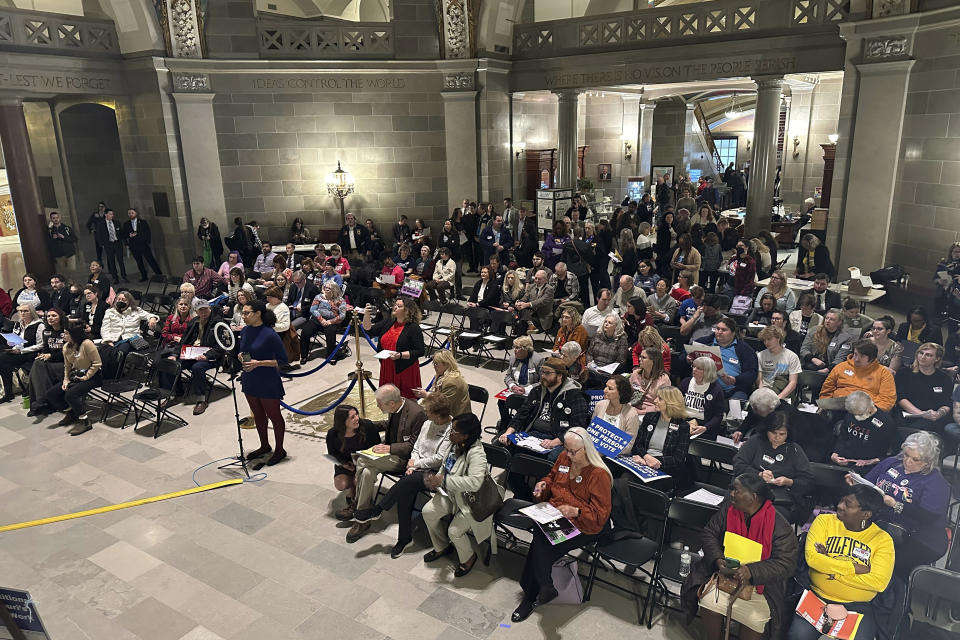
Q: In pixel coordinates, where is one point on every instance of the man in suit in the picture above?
(136, 233)
(113, 245)
(509, 213)
(537, 302)
(293, 260)
(94, 226)
(496, 240)
(299, 298)
(402, 426)
(352, 237)
(825, 298)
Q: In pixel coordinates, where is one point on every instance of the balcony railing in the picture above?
(56, 33)
(720, 19)
(324, 38)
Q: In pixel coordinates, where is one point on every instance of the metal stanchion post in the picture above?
(452, 336)
(360, 374)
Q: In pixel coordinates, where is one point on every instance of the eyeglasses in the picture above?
(776, 278)
(246, 313)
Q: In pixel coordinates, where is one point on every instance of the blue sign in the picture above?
(24, 611)
(594, 396)
(642, 471)
(609, 440)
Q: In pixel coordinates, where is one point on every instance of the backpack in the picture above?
(233, 243)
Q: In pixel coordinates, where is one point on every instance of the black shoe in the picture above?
(398, 548)
(144, 279)
(463, 568)
(523, 612)
(67, 419)
(545, 597)
(368, 515)
(6, 399)
(81, 427)
(303, 361)
(256, 453)
(276, 457)
(433, 554)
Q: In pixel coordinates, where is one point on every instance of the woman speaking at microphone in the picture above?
(401, 334)
(262, 354)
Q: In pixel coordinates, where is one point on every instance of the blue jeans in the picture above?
(800, 629)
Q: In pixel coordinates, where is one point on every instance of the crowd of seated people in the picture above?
(627, 347)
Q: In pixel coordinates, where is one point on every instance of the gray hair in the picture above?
(617, 327)
(927, 447)
(571, 349)
(297, 275)
(764, 399)
(811, 241)
(388, 394)
(859, 403)
(709, 369)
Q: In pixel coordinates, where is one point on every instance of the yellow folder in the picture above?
(743, 549)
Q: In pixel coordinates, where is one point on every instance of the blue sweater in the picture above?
(744, 358)
(921, 501)
(262, 343)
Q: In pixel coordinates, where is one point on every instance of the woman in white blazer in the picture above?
(463, 470)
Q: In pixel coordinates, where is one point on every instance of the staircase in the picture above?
(706, 139)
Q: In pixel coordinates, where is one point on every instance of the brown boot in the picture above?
(346, 513)
(357, 531)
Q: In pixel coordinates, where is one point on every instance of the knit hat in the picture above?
(556, 364)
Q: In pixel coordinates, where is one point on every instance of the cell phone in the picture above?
(245, 357)
(732, 563)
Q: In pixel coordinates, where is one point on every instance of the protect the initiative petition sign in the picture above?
(24, 612)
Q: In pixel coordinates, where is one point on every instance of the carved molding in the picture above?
(885, 47)
(460, 81)
(182, 24)
(458, 27)
(885, 8)
(191, 82)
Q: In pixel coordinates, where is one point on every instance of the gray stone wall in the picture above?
(603, 121)
(46, 155)
(231, 29)
(534, 124)
(276, 150)
(926, 208)
(813, 117)
(669, 135)
(494, 136)
(415, 29)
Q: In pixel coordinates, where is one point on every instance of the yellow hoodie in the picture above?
(875, 379)
(833, 575)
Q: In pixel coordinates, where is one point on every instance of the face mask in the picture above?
(121, 306)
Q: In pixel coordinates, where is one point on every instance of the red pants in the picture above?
(264, 409)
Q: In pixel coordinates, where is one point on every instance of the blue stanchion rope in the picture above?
(432, 380)
(343, 339)
(321, 411)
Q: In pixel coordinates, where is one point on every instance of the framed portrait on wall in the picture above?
(660, 171)
(604, 172)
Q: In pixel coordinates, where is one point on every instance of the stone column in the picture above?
(873, 164)
(460, 122)
(645, 143)
(198, 144)
(24, 191)
(567, 139)
(763, 165)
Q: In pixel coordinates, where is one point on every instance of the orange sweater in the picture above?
(592, 495)
(579, 335)
(875, 379)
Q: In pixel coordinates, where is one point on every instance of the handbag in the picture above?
(727, 584)
(566, 580)
(485, 501)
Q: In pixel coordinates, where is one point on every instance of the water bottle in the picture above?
(685, 560)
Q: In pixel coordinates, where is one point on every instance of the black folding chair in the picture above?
(689, 518)
(533, 469)
(809, 384)
(156, 398)
(720, 456)
(498, 457)
(829, 483)
(931, 594)
(632, 548)
(481, 395)
(119, 396)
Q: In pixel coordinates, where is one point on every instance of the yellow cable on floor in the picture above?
(122, 505)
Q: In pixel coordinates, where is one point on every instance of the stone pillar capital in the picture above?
(459, 96)
(891, 68)
(565, 95)
(184, 82)
(768, 83)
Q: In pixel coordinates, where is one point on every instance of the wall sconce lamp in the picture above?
(749, 141)
(520, 148)
(833, 138)
(627, 153)
(796, 146)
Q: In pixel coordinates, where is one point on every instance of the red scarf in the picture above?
(761, 528)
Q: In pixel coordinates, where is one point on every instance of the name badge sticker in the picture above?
(938, 389)
(733, 361)
(563, 469)
(768, 459)
(848, 372)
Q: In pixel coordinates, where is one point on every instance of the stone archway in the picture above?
(94, 164)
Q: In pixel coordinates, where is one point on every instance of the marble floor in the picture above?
(257, 560)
